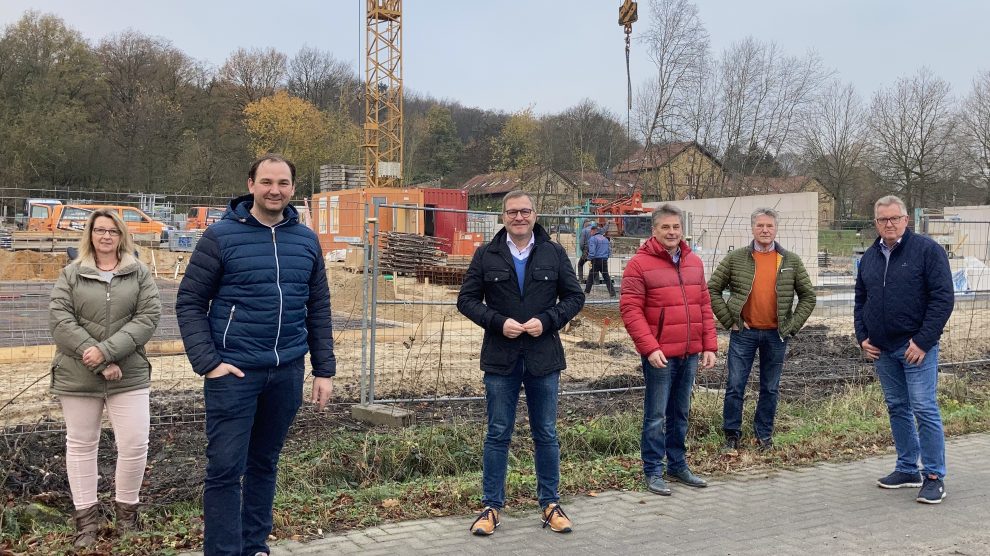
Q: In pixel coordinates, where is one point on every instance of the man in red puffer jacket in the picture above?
(667, 312)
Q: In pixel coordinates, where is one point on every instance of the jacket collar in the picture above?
(128, 264)
(239, 209)
(498, 243)
(904, 239)
(776, 246)
(654, 248)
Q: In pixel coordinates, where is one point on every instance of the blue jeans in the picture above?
(665, 413)
(915, 420)
(247, 420)
(743, 345)
(502, 394)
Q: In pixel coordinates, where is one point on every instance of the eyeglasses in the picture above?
(891, 220)
(525, 213)
(105, 231)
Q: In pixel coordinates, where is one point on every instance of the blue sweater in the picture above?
(256, 296)
(909, 297)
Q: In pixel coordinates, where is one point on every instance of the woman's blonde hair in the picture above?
(86, 250)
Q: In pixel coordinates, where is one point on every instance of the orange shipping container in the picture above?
(465, 243)
(339, 216)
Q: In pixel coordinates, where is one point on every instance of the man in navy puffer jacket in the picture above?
(253, 301)
(904, 297)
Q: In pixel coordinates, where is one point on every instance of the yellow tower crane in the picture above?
(383, 94)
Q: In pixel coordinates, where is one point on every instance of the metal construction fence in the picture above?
(399, 337)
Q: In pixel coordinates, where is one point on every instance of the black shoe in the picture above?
(932, 491)
(731, 445)
(688, 478)
(765, 444)
(900, 479)
(656, 485)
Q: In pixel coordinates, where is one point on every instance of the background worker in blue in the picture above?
(599, 250)
(521, 289)
(253, 301)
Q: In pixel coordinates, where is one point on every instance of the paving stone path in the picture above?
(833, 508)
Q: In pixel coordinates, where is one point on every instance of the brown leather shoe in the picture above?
(556, 519)
(128, 517)
(87, 526)
(486, 522)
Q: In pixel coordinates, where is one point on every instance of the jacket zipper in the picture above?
(278, 286)
(230, 319)
(687, 311)
(106, 388)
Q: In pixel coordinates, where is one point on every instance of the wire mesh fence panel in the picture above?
(419, 345)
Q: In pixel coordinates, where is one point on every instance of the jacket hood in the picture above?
(654, 248)
(499, 241)
(239, 209)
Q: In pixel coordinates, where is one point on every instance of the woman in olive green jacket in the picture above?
(104, 308)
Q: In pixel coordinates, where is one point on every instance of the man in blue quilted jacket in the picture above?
(904, 298)
(253, 301)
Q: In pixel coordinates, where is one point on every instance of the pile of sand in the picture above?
(31, 265)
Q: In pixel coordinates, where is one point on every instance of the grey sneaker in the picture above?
(688, 478)
(932, 491)
(900, 479)
(656, 485)
(764, 444)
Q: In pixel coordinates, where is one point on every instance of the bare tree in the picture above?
(975, 128)
(913, 125)
(321, 79)
(145, 77)
(765, 94)
(677, 43)
(834, 138)
(254, 73)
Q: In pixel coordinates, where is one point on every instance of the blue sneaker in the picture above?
(900, 479)
(933, 491)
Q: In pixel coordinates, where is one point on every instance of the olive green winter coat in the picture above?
(118, 317)
(737, 272)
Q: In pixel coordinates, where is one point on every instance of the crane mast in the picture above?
(383, 94)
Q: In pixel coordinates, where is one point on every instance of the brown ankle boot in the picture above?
(87, 526)
(128, 518)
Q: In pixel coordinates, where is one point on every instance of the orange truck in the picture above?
(199, 218)
(50, 218)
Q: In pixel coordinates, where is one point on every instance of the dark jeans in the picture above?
(502, 394)
(743, 345)
(581, 262)
(666, 406)
(247, 420)
(915, 419)
(599, 265)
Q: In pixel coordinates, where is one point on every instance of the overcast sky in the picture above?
(511, 54)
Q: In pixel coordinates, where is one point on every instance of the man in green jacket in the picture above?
(762, 280)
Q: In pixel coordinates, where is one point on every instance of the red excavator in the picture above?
(622, 216)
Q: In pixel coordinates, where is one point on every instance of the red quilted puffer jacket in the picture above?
(666, 306)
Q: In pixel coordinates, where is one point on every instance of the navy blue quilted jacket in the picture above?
(256, 296)
(908, 298)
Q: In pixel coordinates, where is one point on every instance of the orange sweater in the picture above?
(760, 310)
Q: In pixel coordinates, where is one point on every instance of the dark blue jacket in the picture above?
(256, 296)
(599, 247)
(490, 296)
(908, 298)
